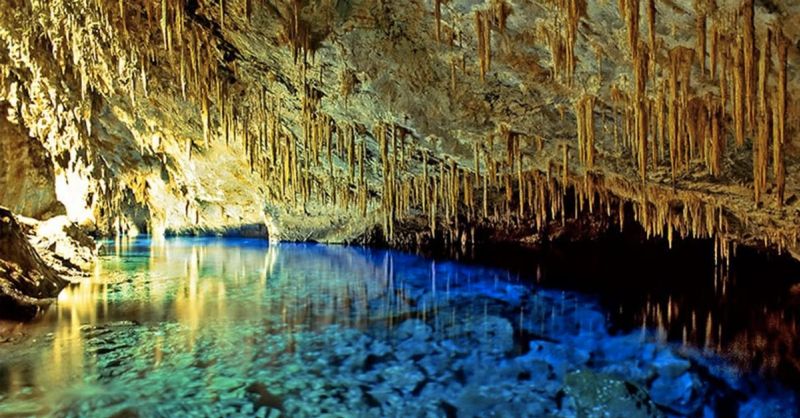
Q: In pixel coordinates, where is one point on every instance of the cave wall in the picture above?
(27, 182)
(327, 119)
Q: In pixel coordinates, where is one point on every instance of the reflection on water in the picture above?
(747, 312)
(198, 282)
(211, 287)
(188, 327)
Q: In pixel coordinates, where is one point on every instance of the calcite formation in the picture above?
(324, 119)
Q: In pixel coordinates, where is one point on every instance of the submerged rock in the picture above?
(669, 365)
(601, 395)
(769, 408)
(682, 394)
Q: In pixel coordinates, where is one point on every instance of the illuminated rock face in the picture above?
(426, 120)
(26, 174)
(26, 282)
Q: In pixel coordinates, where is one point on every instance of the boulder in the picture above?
(682, 394)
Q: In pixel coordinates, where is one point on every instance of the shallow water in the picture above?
(234, 327)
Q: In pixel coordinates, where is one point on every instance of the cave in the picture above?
(381, 208)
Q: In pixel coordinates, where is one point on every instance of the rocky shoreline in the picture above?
(37, 260)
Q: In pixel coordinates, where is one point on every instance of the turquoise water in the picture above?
(236, 327)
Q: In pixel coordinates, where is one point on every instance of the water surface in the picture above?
(236, 327)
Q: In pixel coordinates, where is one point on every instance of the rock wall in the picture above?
(27, 182)
(322, 120)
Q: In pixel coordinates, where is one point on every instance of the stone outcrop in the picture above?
(322, 120)
(27, 182)
(26, 281)
(37, 259)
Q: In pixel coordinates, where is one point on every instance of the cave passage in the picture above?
(400, 208)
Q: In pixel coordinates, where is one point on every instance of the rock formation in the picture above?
(28, 280)
(445, 119)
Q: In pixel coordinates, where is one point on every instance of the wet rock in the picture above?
(601, 395)
(562, 358)
(436, 364)
(669, 365)
(493, 334)
(682, 394)
(632, 369)
(621, 348)
(403, 376)
(262, 397)
(27, 283)
(62, 244)
(589, 320)
(413, 329)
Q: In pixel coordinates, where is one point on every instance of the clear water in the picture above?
(234, 327)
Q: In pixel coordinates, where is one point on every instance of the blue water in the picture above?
(237, 327)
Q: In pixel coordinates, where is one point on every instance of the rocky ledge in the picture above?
(37, 260)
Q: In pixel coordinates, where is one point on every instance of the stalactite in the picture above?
(700, 34)
(437, 11)
(640, 109)
(672, 117)
(164, 22)
(425, 181)
(434, 205)
(584, 114)
(651, 28)
(779, 117)
(564, 177)
(761, 145)
(521, 189)
(629, 10)
(221, 14)
(717, 140)
(714, 51)
(485, 197)
(453, 76)
(297, 33)
(557, 53)
(362, 184)
(738, 95)
(640, 113)
(589, 127)
(351, 143)
(483, 32)
(748, 53)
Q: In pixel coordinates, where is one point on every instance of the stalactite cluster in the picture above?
(483, 32)
(493, 18)
(671, 113)
(673, 117)
(562, 37)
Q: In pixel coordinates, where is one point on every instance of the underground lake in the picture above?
(242, 327)
(400, 208)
